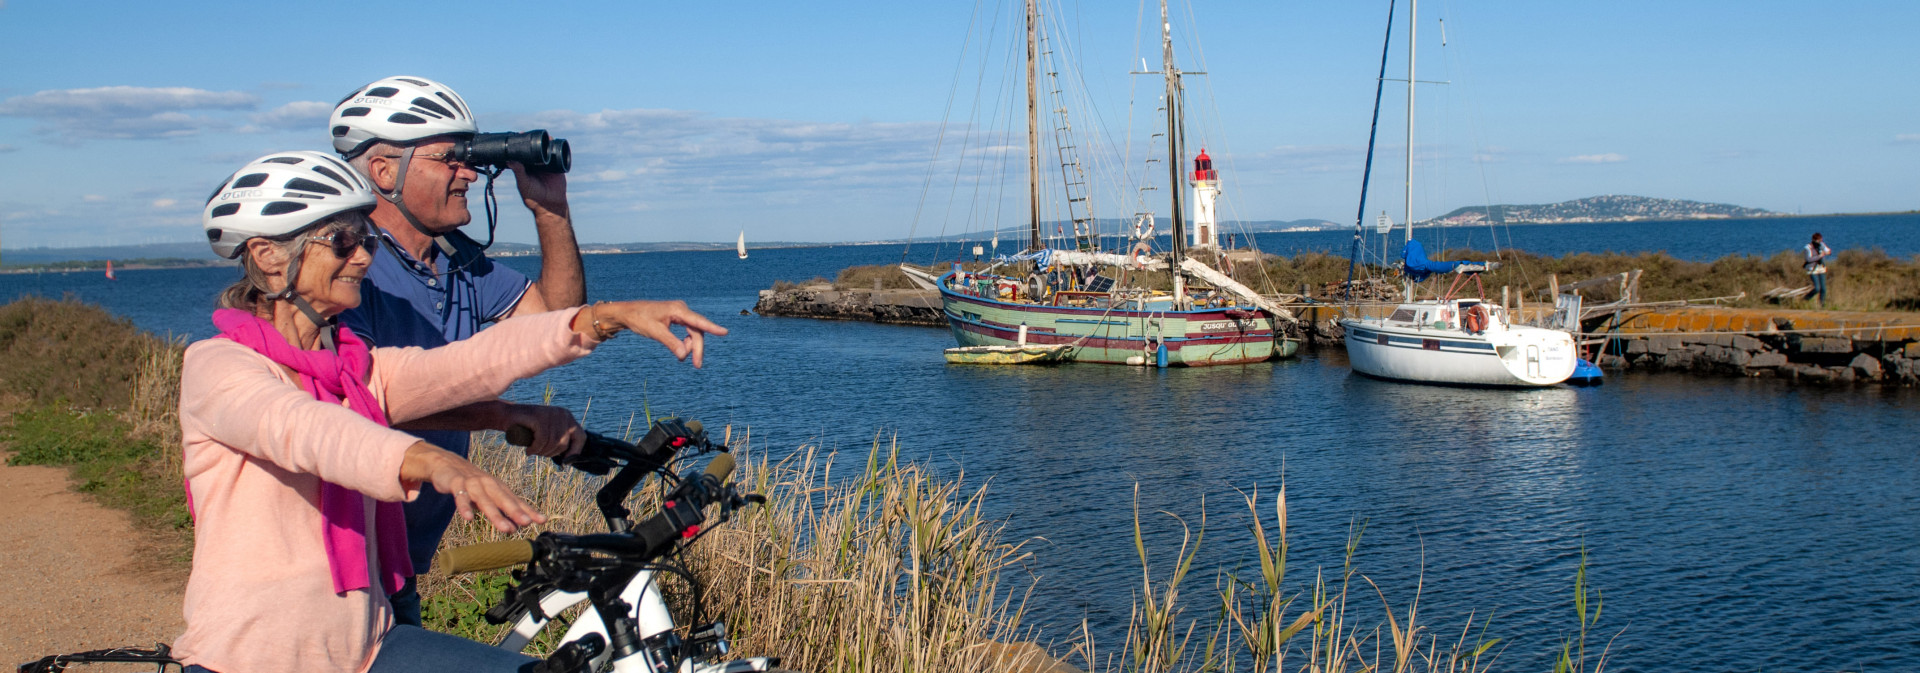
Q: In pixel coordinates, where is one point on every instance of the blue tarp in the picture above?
(1418, 267)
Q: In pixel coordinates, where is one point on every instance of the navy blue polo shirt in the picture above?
(405, 302)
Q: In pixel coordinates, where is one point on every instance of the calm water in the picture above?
(1734, 525)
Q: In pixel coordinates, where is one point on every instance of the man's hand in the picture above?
(473, 490)
(654, 320)
(544, 193)
(555, 431)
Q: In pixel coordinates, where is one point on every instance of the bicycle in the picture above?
(629, 628)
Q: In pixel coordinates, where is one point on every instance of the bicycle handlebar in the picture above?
(485, 556)
(680, 516)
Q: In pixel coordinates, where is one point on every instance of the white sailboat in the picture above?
(1451, 340)
(741, 245)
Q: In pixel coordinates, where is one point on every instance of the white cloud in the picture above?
(1907, 138)
(163, 204)
(688, 151)
(93, 198)
(8, 148)
(124, 111)
(1608, 158)
(300, 115)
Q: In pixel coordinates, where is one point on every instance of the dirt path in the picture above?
(72, 578)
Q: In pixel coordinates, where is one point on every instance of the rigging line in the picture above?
(973, 203)
(971, 129)
(939, 138)
(1380, 85)
(1092, 111)
(1473, 117)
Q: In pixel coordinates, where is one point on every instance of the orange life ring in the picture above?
(1476, 318)
(1141, 251)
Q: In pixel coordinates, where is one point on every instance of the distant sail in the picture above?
(741, 245)
(110, 270)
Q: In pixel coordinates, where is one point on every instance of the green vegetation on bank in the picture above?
(1858, 280)
(89, 391)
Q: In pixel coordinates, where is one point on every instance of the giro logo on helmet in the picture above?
(371, 100)
(243, 194)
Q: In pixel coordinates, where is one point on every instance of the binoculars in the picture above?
(539, 152)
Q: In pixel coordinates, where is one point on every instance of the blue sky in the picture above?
(818, 121)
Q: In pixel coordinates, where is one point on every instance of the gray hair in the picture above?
(248, 293)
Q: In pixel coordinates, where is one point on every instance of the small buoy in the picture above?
(1136, 360)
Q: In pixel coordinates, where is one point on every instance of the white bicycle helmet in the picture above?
(280, 194)
(397, 109)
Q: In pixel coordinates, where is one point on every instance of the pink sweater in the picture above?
(257, 447)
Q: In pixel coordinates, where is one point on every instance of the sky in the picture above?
(842, 121)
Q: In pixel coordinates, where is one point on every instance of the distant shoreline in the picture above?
(524, 250)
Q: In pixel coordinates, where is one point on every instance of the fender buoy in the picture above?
(1141, 251)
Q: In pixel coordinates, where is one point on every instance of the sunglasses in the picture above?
(343, 241)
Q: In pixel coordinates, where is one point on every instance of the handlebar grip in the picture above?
(486, 556)
(721, 468)
(520, 435)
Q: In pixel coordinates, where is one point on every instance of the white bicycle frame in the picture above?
(650, 614)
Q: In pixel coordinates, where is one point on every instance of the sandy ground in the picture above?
(73, 576)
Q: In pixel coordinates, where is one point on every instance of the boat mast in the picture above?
(1175, 164)
(1033, 130)
(1413, 13)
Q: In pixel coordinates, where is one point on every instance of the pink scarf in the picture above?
(329, 376)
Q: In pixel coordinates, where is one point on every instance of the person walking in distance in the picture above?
(430, 284)
(1817, 253)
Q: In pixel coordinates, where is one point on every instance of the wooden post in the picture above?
(1553, 287)
(1506, 298)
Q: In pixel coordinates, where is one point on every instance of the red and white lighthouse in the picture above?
(1205, 231)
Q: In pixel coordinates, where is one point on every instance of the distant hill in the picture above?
(1609, 208)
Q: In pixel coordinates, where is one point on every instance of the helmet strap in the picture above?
(327, 325)
(400, 183)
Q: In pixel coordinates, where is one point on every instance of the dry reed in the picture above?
(886, 568)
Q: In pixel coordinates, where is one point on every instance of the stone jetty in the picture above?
(897, 307)
(1806, 346)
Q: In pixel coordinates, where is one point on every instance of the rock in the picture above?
(1747, 343)
(1767, 360)
(1842, 374)
(1720, 339)
(1808, 373)
(1662, 343)
(1681, 359)
(1636, 346)
(1612, 362)
(1825, 345)
(1912, 350)
(1867, 367)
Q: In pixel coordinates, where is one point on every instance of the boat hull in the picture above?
(1004, 355)
(1520, 357)
(1110, 336)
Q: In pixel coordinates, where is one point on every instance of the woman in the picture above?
(294, 476)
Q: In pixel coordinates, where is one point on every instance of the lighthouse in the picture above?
(1206, 189)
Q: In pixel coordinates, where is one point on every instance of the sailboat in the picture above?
(1065, 302)
(741, 244)
(1452, 339)
(110, 270)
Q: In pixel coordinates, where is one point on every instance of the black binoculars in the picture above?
(539, 152)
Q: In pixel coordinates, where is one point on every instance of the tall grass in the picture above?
(879, 566)
(882, 568)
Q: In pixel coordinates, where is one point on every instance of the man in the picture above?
(1817, 253)
(431, 285)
